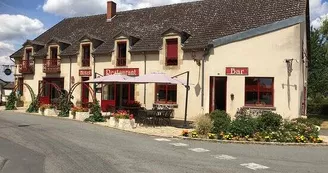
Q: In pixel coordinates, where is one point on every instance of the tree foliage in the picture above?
(318, 71)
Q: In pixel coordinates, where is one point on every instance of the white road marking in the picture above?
(162, 139)
(179, 144)
(254, 166)
(199, 150)
(224, 157)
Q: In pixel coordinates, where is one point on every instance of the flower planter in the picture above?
(125, 124)
(49, 112)
(81, 116)
(112, 122)
(71, 116)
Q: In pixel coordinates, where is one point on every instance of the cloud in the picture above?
(19, 27)
(15, 29)
(318, 12)
(70, 8)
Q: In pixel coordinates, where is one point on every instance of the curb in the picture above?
(252, 142)
(2, 162)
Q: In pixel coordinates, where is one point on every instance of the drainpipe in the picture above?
(94, 75)
(145, 71)
(203, 79)
(70, 72)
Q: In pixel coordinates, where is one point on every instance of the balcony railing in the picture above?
(51, 65)
(121, 62)
(26, 66)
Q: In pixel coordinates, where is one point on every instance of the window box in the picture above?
(81, 116)
(52, 112)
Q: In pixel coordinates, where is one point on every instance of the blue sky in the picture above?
(25, 19)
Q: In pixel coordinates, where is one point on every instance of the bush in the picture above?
(310, 121)
(243, 126)
(269, 121)
(96, 113)
(221, 121)
(11, 102)
(204, 124)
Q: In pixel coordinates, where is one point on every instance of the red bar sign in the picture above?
(237, 71)
(85, 73)
(124, 71)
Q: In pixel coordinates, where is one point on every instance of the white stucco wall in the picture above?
(264, 55)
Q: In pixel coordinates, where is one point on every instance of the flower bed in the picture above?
(266, 127)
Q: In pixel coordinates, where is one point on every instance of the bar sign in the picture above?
(237, 71)
(85, 73)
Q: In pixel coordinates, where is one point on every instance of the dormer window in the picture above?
(28, 54)
(53, 52)
(121, 55)
(86, 55)
(172, 52)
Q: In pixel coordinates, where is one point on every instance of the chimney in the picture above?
(111, 10)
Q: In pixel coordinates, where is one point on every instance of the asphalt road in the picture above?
(36, 144)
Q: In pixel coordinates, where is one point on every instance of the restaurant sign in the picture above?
(237, 71)
(85, 73)
(124, 71)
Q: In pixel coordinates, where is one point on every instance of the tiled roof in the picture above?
(203, 21)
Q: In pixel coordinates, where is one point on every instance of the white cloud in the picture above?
(69, 8)
(19, 27)
(16, 29)
(318, 12)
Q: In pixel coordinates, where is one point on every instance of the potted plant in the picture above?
(122, 119)
(47, 110)
(79, 113)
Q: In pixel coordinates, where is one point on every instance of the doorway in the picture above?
(218, 93)
(85, 92)
(49, 92)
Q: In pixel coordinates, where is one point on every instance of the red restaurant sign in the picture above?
(85, 73)
(125, 71)
(237, 71)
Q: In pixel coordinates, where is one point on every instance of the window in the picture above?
(28, 53)
(86, 55)
(166, 94)
(121, 58)
(172, 52)
(54, 52)
(259, 91)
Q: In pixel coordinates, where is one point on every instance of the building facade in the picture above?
(254, 59)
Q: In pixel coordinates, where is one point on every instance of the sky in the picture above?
(25, 19)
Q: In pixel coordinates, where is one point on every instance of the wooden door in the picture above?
(85, 92)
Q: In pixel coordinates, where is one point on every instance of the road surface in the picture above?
(33, 144)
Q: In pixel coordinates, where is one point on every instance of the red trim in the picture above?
(84, 92)
(167, 88)
(172, 52)
(86, 55)
(121, 60)
(257, 88)
(28, 53)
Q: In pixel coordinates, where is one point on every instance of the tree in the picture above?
(318, 71)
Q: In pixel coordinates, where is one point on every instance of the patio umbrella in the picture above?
(160, 78)
(115, 78)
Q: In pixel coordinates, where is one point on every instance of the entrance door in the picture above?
(218, 90)
(124, 93)
(85, 92)
(49, 93)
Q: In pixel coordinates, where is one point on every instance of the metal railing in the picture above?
(51, 65)
(26, 66)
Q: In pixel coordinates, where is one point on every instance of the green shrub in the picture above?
(269, 121)
(204, 124)
(11, 102)
(310, 121)
(221, 121)
(96, 113)
(243, 126)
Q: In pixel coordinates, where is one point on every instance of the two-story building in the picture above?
(240, 54)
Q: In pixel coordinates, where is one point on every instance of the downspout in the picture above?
(94, 74)
(70, 72)
(203, 78)
(145, 71)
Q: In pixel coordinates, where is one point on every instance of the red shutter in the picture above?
(172, 48)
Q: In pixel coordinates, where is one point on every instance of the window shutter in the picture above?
(172, 48)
